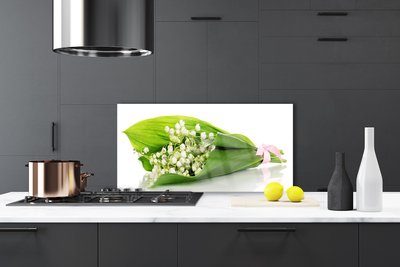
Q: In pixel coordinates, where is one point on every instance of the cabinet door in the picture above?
(181, 62)
(267, 245)
(232, 58)
(379, 244)
(48, 245)
(28, 75)
(227, 10)
(138, 245)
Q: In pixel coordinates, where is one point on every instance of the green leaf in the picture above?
(244, 138)
(232, 154)
(150, 133)
(220, 162)
(233, 141)
(146, 164)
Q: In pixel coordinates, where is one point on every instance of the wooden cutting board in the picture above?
(263, 202)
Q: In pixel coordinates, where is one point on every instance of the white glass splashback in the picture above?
(269, 124)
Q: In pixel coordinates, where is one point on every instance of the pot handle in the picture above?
(26, 165)
(86, 175)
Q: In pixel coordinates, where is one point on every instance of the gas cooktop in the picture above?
(117, 197)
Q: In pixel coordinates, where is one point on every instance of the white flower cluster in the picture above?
(186, 154)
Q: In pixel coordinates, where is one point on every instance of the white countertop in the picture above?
(211, 208)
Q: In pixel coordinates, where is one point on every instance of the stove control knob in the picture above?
(105, 189)
(138, 189)
(127, 189)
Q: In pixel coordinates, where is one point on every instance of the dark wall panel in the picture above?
(314, 116)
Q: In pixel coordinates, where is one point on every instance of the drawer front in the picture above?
(309, 23)
(227, 10)
(384, 236)
(333, 4)
(284, 4)
(137, 244)
(48, 245)
(378, 4)
(309, 49)
(329, 76)
(237, 245)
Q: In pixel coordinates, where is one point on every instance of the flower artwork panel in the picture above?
(205, 147)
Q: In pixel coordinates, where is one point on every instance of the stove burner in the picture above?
(109, 196)
(110, 199)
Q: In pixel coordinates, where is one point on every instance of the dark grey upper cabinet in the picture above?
(320, 76)
(227, 10)
(61, 245)
(308, 23)
(333, 4)
(181, 62)
(309, 49)
(232, 62)
(207, 61)
(28, 75)
(89, 134)
(378, 4)
(106, 80)
(284, 4)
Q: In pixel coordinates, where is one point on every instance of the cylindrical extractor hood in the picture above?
(103, 28)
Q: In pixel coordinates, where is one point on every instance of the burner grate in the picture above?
(108, 196)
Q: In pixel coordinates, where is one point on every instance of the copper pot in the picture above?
(56, 178)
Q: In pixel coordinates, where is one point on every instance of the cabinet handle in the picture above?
(206, 18)
(332, 39)
(52, 136)
(333, 13)
(266, 229)
(18, 229)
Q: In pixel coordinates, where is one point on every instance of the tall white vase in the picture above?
(369, 177)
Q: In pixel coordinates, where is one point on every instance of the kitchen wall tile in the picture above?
(89, 134)
(106, 80)
(357, 109)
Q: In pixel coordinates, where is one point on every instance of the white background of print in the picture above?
(270, 124)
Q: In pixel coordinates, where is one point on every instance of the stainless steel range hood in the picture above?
(103, 28)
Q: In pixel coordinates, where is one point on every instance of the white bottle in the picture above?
(369, 177)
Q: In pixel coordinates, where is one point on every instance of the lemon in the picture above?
(295, 194)
(273, 191)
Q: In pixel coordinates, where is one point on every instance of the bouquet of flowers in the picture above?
(181, 149)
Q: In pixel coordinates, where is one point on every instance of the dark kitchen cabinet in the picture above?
(267, 244)
(28, 88)
(89, 134)
(48, 245)
(181, 62)
(379, 244)
(232, 59)
(207, 60)
(138, 245)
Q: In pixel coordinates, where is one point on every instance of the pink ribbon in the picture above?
(264, 151)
